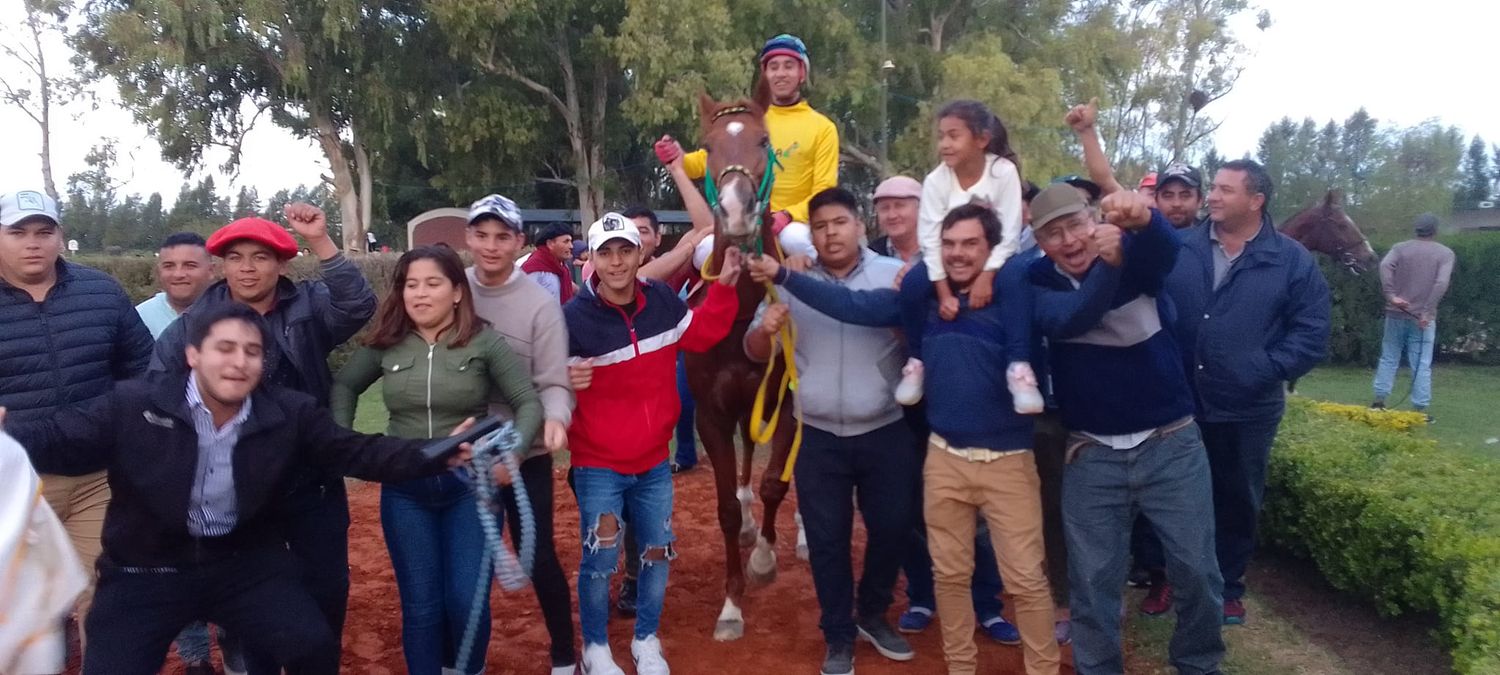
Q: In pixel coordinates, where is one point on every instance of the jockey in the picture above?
(805, 141)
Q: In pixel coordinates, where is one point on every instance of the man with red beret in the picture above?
(309, 319)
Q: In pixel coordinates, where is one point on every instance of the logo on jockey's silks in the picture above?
(158, 420)
(787, 152)
(613, 223)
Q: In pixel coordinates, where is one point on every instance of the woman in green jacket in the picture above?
(438, 363)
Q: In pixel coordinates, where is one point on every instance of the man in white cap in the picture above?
(896, 208)
(70, 334)
(624, 334)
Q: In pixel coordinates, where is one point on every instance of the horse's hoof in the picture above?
(760, 577)
(729, 629)
(748, 537)
(802, 552)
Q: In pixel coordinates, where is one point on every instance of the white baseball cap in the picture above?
(22, 205)
(610, 227)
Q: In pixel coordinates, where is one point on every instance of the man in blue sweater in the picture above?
(1133, 447)
(979, 457)
(856, 443)
(1252, 313)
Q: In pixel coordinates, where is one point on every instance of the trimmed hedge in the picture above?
(1468, 318)
(1393, 518)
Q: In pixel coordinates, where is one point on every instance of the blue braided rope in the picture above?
(512, 570)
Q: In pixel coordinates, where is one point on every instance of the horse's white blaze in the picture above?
(734, 128)
(734, 207)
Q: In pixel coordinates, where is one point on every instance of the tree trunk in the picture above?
(343, 179)
(366, 189)
(45, 90)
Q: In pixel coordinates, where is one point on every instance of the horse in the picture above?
(1325, 228)
(724, 381)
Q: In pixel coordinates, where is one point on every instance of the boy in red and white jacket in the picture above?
(623, 335)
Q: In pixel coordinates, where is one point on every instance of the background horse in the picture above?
(723, 380)
(1325, 228)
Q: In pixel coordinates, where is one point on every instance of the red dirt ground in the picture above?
(781, 633)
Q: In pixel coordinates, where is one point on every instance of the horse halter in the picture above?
(762, 193)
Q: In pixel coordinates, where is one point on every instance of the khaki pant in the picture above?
(80, 502)
(1008, 493)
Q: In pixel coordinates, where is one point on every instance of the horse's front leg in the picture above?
(716, 431)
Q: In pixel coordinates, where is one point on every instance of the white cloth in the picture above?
(999, 187)
(40, 575)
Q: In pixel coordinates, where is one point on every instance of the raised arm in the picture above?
(1083, 119)
(362, 370)
(344, 302)
(877, 308)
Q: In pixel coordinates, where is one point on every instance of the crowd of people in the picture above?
(1051, 390)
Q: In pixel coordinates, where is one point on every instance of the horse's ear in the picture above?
(1334, 199)
(706, 105)
(762, 94)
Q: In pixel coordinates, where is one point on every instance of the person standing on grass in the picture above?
(1414, 278)
(1133, 447)
(532, 324)
(438, 364)
(1252, 313)
(624, 334)
(856, 445)
(183, 272)
(308, 320)
(67, 334)
(548, 264)
(976, 464)
(199, 460)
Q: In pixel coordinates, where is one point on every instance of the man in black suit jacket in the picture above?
(197, 461)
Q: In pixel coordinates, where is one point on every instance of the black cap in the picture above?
(1190, 176)
(1083, 184)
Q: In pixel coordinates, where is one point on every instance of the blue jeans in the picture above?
(437, 546)
(1166, 478)
(877, 469)
(648, 498)
(1405, 335)
(687, 444)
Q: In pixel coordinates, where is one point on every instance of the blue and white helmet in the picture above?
(786, 44)
(498, 206)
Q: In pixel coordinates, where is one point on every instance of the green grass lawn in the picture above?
(1465, 401)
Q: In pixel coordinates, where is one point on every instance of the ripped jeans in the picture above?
(602, 495)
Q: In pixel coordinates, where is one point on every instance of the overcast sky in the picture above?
(1405, 62)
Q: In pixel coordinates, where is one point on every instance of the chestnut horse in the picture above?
(723, 380)
(1325, 228)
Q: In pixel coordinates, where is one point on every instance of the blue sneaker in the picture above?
(1001, 631)
(914, 620)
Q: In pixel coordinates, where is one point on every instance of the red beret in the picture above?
(258, 230)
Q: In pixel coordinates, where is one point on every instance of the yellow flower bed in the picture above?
(1385, 420)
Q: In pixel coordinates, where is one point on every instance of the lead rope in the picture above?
(512, 570)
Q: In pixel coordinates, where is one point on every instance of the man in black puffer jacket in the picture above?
(69, 333)
(308, 320)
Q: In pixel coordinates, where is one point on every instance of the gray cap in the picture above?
(26, 205)
(1426, 225)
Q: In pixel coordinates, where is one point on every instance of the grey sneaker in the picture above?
(839, 660)
(878, 632)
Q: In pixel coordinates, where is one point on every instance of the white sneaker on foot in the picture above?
(909, 390)
(1023, 389)
(597, 660)
(648, 658)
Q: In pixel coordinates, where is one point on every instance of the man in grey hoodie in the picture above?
(856, 443)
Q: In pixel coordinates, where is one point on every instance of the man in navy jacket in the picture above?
(1252, 313)
(1132, 446)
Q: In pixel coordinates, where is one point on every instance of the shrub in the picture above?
(1393, 518)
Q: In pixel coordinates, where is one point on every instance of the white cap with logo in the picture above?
(23, 205)
(610, 227)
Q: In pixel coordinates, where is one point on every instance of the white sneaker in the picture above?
(1023, 390)
(909, 391)
(648, 658)
(597, 660)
